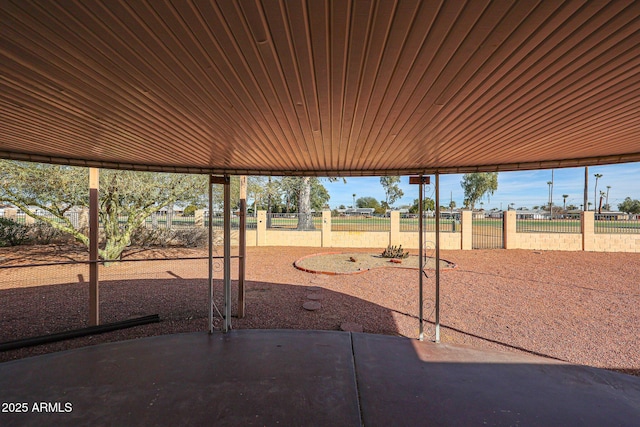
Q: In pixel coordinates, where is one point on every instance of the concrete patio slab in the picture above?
(294, 377)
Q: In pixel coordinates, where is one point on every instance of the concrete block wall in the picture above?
(466, 233)
(11, 213)
(545, 241)
(616, 243)
(293, 238)
(588, 231)
(359, 239)
(324, 237)
(449, 241)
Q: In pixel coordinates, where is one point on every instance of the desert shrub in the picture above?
(395, 252)
(191, 237)
(44, 234)
(13, 233)
(162, 237)
(148, 237)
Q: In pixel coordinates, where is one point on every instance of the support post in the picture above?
(227, 255)
(585, 206)
(587, 220)
(242, 243)
(437, 257)
(326, 229)
(421, 261)
(394, 230)
(94, 293)
(210, 234)
(466, 233)
(509, 234)
(261, 228)
(421, 181)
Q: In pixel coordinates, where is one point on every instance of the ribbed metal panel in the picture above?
(320, 87)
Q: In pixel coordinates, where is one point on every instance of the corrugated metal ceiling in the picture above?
(320, 87)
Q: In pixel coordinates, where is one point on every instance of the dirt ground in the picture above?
(579, 307)
(358, 263)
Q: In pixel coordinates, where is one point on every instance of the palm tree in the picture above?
(595, 190)
(602, 194)
(564, 201)
(607, 204)
(550, 184)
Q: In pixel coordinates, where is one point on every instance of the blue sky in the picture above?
(525, 189)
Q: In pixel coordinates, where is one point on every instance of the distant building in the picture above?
(448, 214)
(522, 214)
(403, 211)
(612, 216)
(478, 214)
(356, 212)
(177, 210)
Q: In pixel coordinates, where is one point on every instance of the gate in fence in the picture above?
(488, 231)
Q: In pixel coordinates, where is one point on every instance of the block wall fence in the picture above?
(324, 237)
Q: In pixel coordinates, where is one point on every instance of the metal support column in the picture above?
(210, 230)
(421, 181)
(242, 243)
(94, 293)
(421, 261)
(227, 255)
(437, 257)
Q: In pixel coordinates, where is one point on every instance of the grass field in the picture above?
(548, 226)
(617, 227)
(487, 233)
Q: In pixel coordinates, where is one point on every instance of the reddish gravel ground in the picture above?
(579, 307)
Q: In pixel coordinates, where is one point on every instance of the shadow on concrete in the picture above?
(278, 377)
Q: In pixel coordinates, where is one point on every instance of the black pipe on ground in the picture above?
(76, 333)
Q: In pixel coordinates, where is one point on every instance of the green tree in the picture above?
(630, 206)
(477, 185)
(392, 190)
(266, 193)
(367, 202)
(190, 210)
(127, 198)
(306, 193)
(428, 204)
(255, 190)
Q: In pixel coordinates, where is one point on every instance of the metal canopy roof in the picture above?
(320, 87)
